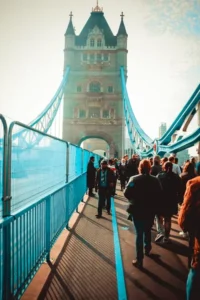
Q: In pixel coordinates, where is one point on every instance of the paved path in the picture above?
(83, 265)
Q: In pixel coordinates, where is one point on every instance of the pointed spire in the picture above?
(97, 8)
(70, 28)
(122, 29)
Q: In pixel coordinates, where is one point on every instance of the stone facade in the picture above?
(93, 106)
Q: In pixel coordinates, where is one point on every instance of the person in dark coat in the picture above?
(132, 166)
(91, 174)
(104, 185)
(122, 173)
(171, 192)
(156, 167)
(143, 192)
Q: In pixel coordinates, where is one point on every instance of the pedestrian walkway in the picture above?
(84, 261)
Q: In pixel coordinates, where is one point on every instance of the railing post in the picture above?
(7, 147)
(67, 163)
(82, 167)
(48, 227)
(8, 162)
(67, 207)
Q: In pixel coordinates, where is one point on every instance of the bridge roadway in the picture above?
(83, 261)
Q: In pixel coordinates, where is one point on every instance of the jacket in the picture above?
(189, 217)
(110, 178)
(143, 193)
(171, 191)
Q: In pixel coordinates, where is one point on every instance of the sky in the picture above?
(163, 54)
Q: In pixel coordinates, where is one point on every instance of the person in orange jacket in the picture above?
(189, 221)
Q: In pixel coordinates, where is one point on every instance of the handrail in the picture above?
(5, 145)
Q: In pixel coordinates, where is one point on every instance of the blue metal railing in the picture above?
(34, 216)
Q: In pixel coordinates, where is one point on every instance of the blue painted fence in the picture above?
(41, 187)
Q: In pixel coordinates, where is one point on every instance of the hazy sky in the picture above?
(163, 57)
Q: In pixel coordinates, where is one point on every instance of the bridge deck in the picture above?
(83, 265)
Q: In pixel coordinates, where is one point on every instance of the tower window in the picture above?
(98, 57)
(79, 88)
(94, 112)
(110, 89)
(84, 56)
(92, 43)
(105, 57)
(95, 87)
(91, 57)
(82, 113)
(105, 114)
(99, 43)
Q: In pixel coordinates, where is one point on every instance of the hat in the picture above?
(104, 162)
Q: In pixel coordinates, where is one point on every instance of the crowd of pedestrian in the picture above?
(156, 190)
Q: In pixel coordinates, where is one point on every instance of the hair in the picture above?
(164, 160)
(91, 157)
(176, 160)
(189, 168)
(168, 167)
(110, 161)
(156, 160)
(171, 159)
(144, 166)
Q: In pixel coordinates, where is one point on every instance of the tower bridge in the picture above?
(43, 182)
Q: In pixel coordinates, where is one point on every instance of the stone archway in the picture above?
(113, 149)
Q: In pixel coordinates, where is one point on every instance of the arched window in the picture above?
(98, 57)
(105, 57)
(99, 43)
(95, 87)
(82, 113)
(94, 112)
(91, 42)
(105, 114)
(110, 89)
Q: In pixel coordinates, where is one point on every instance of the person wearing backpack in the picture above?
(189, 221)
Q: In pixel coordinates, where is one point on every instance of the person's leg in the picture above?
(192, 285)
(108, 200)
(147, 236)
(101, 202)
(167, 226)
(90, 192)
(191, 246)
(139, 230)
(159, 228)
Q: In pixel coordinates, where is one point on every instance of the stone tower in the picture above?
(93, 106)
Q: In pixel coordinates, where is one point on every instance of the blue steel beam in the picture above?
(137, 127)
(184, 143)
(44, 121)
(188, 110)
(178, 122)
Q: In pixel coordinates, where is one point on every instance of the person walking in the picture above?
(143, 192)
(104, 185)
(91, 174)
(189, 221)
(171, 191)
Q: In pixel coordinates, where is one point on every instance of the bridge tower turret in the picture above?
(93, 106)
(122, 51)
(69, 44)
